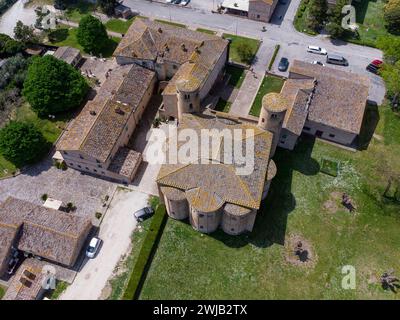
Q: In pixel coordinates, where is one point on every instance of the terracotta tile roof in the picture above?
(217, 183)
(67, 54)
(125, 162)
(339, 98)
(197, 52)
(27, 282)
(101, 122)
(46, 232)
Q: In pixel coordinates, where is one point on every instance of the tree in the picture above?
(334, 26)
(24, 33)
(392, 16)
(52, 86)
(21, 143)
(13, 72)
(107, 6)
(9, 47)
(316, 14)
(391, 76)
(92, 34)
(244, 51)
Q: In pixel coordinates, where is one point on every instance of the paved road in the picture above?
(115, 231)
(280, 31)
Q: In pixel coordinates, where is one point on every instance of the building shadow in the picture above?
(280, 12)
(271, 222)
(370, 122)
(361, 9)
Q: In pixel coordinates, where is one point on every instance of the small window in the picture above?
(201, 227)
(191, 106)
(65, 152)
(307, 129)
(282, 141)
(263, 120)
(274, 116)
(331, 135)
(232, 229)
(174, 67)
(201, 215)
(258, 16)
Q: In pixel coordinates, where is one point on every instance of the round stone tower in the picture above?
(188, 97)
(272, 113)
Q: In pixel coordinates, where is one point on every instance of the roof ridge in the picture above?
(26, 221)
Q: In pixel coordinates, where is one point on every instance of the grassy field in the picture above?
(212, 32)
(269, 84)
(76, 11)
(237, 76)
(303, 203)
(2, 292)
(223, 106)
(171, 23)
(371, 21)
(233, 54)
(119, 25)
(65, 36)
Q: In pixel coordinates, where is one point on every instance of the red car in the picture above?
(377, 62)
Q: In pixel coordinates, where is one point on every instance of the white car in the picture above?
(185, 2)
(317, 50)
(318, 62)
(93, 247)
(169, 1)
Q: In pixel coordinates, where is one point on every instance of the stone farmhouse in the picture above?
(70, 55)
(50, 234)
(322, 101)
(184, 65)
(259, 10)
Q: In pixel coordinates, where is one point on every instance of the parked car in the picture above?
(372, 68)
(336, 59)
(169, 1)
(185, 2)
(318, 62)
(144, 213)
(283, 64)
(376, 62)
(177, 1)
(93, 247)
(316, 50)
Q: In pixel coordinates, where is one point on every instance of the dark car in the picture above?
(283, 64)
(372, 68)
(144, 213)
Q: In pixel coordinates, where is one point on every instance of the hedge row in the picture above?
(145, 255)
(277, 47)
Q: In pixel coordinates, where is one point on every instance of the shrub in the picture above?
(9, 47)
(98, 215)
(276, 50)
(154, 202)
(21, 143)
(143, 261)
(44, 196)
(53, 86)
(244, 51)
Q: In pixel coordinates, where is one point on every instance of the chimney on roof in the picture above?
(92, 112)
(160, 30)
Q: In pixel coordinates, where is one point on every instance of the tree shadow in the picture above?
(361, 9)
(58, 35)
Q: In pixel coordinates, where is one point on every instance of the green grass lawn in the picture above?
(370, 20)
(2, 292)
(223, 106)
(212, 32)
(65, 36)
(76, 11)
(269, 84)
(119, 25)
(190, 265)
(171, 23)
(237, 76)
(6, 167)
(233, 54)
(61, 286)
